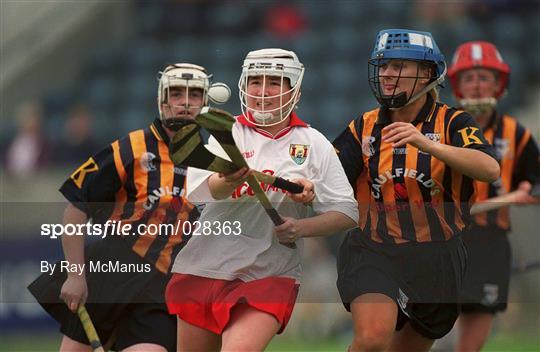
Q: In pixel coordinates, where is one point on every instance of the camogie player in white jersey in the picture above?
(236, 291)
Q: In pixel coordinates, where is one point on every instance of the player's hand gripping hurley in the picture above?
(502, 201)
(187, 148)
(219, 123)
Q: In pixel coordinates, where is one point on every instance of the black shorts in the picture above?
(487, 278)
(127, 306)
(424, 279)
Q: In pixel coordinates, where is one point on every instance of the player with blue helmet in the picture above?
(410, 163)
(399, 46)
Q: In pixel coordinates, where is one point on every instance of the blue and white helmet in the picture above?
(408, 45)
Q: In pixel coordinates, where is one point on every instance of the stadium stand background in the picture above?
(110, 57)
(104, 56)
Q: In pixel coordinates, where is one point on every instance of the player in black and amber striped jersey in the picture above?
(412, 163)
(134, 182)
(479, 78)
(134, 190)
(404, 193)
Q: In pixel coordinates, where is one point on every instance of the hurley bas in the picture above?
(97, 266)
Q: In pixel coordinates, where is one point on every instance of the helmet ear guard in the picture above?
(404, 44)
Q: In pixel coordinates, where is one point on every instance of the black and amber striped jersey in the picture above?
(518, 157)
(134, 181)
(405, 194)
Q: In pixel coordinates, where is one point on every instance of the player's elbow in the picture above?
(491, 170)
(346, 223)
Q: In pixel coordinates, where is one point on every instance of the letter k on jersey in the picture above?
(468, 136)
(79, 174)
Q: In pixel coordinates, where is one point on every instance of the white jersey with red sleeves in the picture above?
(298, 151)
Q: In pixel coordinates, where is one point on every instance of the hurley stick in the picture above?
(501, 201)
(89, 329)
(219, 123)
(187, 148)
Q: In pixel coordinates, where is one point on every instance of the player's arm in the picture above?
(470, 162)
(325, 224)
(221, 186)
(526, 171)
(334, 201)
(74, 290)
(348, 146)
(90, 189)
(469, 152)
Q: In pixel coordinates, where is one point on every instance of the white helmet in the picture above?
(271, 62)
(188, 76)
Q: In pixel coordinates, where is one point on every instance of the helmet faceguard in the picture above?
(187, 76)
(480, 106)
(271, 63)
(478, 54)
(405, 45)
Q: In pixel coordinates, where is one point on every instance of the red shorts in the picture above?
(207, 302)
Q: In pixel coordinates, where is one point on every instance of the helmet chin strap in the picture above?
(176, 123)
(426, 89)
(479, 107)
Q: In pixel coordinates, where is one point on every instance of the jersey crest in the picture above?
(367, 146)
(298, 152)
(502, 146)
(147, 162)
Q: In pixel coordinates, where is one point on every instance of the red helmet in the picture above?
(478, 54)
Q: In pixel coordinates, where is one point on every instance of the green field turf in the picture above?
(50, 342)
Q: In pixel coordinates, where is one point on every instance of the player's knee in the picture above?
(374, 338)
(70, 345)
(145, 347)
(471, 343)
(240, 346)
